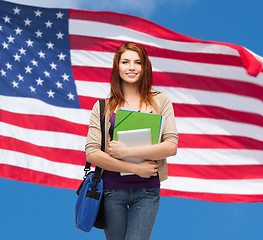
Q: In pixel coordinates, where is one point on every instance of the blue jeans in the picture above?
(130, 214)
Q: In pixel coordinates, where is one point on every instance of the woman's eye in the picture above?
(138, 63)
(124, 62)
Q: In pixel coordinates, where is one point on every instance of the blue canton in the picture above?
(35, 55)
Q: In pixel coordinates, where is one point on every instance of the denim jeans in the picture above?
(130, 214)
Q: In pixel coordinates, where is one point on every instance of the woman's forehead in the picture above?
(129, 54)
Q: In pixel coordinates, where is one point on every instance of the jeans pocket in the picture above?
(152, 191)
(108, 193)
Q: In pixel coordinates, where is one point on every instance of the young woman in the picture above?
(131, 202)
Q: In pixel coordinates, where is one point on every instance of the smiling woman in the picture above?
(131, 202)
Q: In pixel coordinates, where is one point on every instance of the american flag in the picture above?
(56, 63)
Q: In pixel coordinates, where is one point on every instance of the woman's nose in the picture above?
(131, 66)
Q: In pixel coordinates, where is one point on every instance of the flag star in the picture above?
(15, 84)
(50, 45)
(27, 22)
(29, 43)
(1, 28)
(16, 10)
(3, 73)
(53, 66)
(59, 85)
(28, 69)
(41, 54)
(60, 15)
(65, 77)
(7, 19)
(50, 93)
(47, 74)
(11, 39)
(38, 33)
(32, 89)
(39, 81)
(70, 96)
(61, 57)
(22, 51)
(8, 66)
(18, 31)
(5, 45)
(34, 62)
(60, 35)
(48, 24)
(38, 13)
(17, 57)
(20, 77)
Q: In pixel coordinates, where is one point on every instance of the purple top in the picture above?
(113, 180)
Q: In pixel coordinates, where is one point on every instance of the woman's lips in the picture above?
(131, 75)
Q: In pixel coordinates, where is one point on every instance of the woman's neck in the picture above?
(133, 100)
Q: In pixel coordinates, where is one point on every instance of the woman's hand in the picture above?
(118, 149)
(146, 169)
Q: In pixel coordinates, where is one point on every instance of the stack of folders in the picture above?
(137, 129)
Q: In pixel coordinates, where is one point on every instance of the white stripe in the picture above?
(186, 96)
(92, 89)
(110, 31)
(210, 98)
(218, 127)
(105, 59)
(195, 156)
(37, 107)
(40, 164)
(251, 186)
(44, 138)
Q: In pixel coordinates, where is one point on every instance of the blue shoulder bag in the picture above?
(89, 209)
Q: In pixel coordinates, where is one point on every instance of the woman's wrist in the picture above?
(129, 152)
(134, 168)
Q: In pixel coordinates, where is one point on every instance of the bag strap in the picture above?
(97, 174)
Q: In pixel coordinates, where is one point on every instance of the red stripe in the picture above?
(214, 197)
(218, 142)
(203, 111)
(27, 175)
(197, 111)
(128, 21)
(45, 123)
(110, 45)
(87, 102)
(32, 176)
(177, 80)
(49, 153)
(91, 74)
(216, 171)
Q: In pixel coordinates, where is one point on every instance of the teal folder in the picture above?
(131, 120)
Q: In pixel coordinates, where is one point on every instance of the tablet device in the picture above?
(135, 138)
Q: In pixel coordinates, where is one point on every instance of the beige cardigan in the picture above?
(165, 108)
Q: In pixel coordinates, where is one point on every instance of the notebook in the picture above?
(131, 120)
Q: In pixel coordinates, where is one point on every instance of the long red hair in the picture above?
(116, 99)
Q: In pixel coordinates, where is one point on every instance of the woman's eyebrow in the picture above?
(126, 59)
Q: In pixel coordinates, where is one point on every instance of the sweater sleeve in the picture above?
(94, 134)
(169, 129)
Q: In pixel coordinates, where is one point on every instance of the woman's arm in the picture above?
(101, 159)
(154, 152)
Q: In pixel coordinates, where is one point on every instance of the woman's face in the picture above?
(130, 67)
